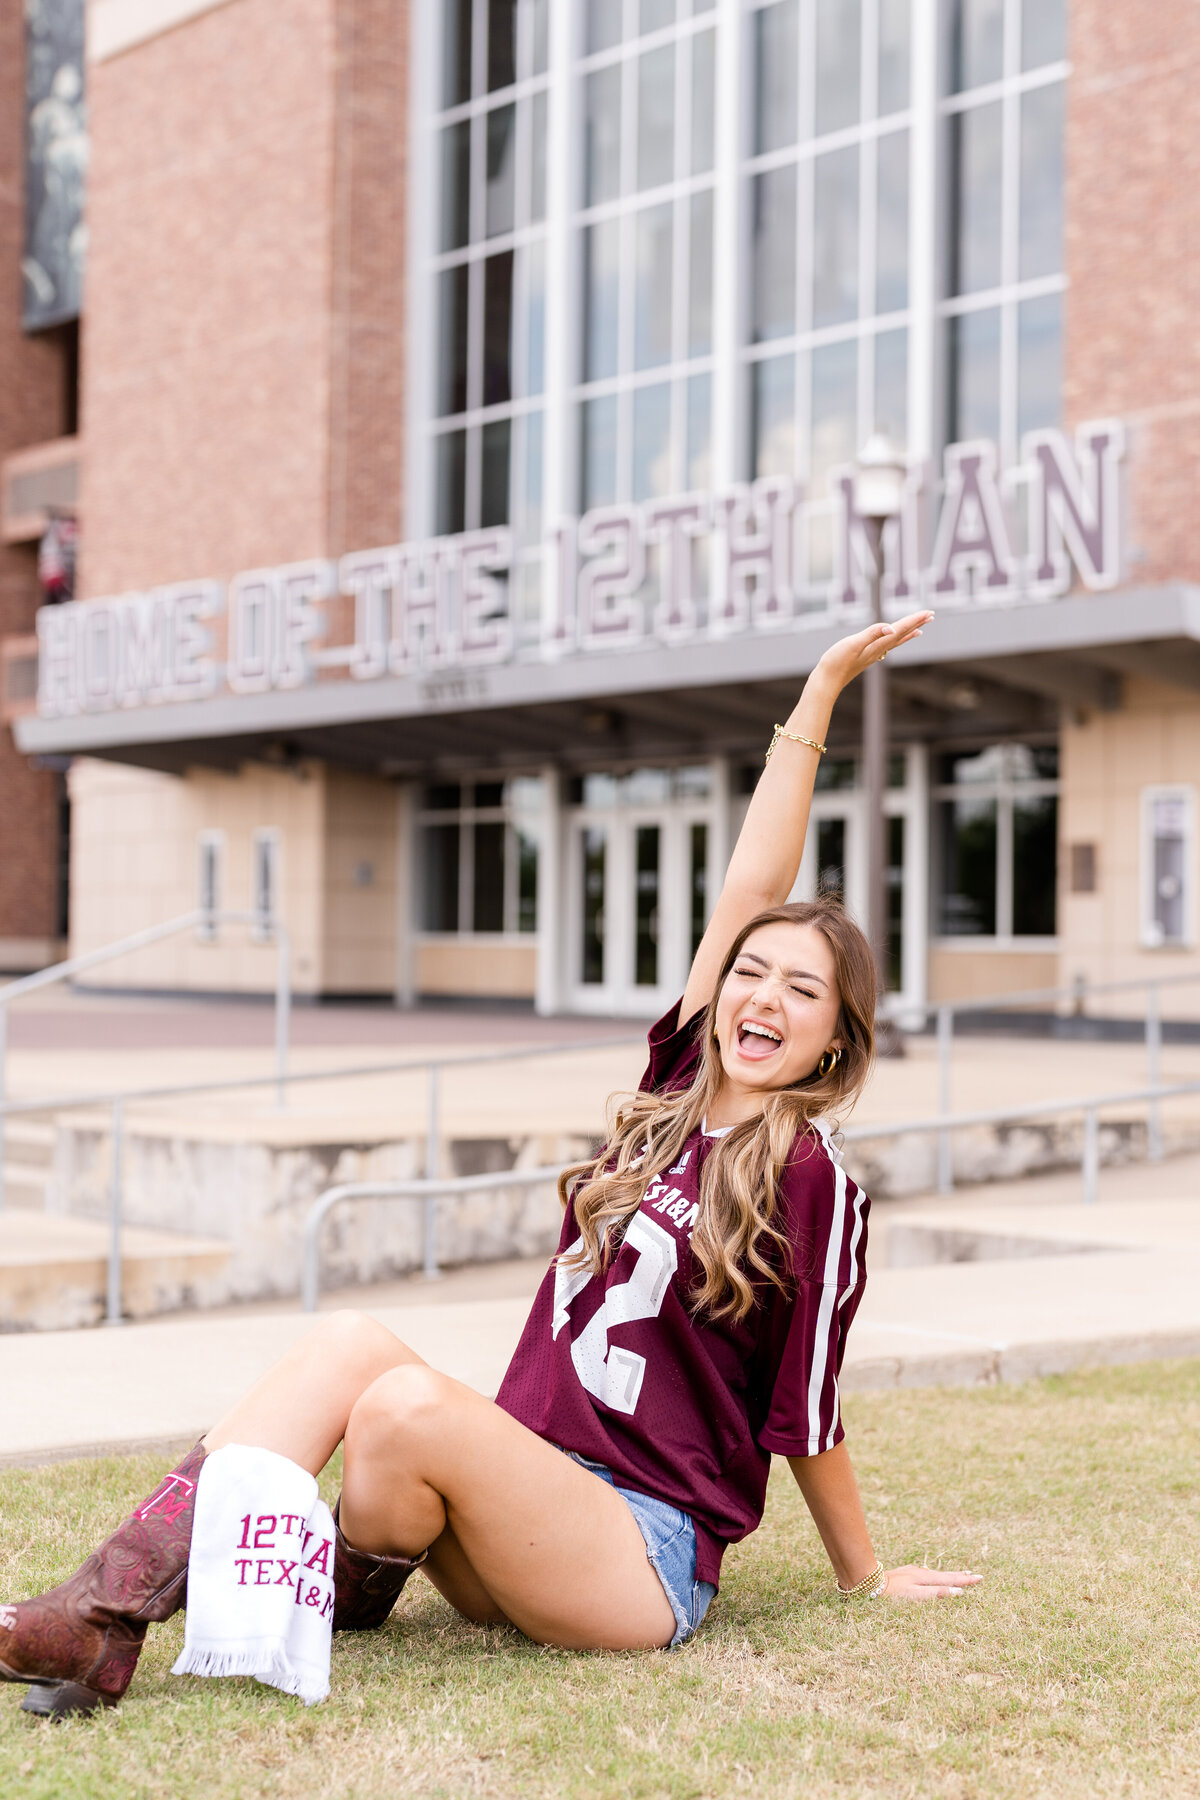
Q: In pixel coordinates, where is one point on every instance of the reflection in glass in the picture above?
(1042, 181)
(894, 881)
(831, 859)
(502, 44)
(599, 451)
(456, 52)
(836, 774)
(975, 140)
(700, 267)
(776, 61)
(1039, 363)
(602, 270)
(493, 493)
(656, 117)
(967, 843)
(603, 24)
(834, 409)
(531, 499)
(891, 243)
(452, 340)
(593, 845)
(652, 441)
(603, 135)
(654, 15)
(698, 884)
(501, 193)
(977, 43)
(456, 185)
(535, 316)
(1035, 865)
(973, 385)
(538, 18)
(487, 912)
(451, 482)
(497, 328)
(703, 100)
(774, 416)
(891, 384)
(698, 474)
(537, 158)
(439, 869)
(838, 81)
(652, 305)
(646, 841)
(775, 254)
(1043, 32)
(894, 56)
(527, 874)
(835, 237)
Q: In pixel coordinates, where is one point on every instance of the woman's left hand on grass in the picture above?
(913, 1583)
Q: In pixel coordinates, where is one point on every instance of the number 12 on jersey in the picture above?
(611, 1374)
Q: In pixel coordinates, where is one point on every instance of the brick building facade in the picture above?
(496, 285)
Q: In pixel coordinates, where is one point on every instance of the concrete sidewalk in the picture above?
(1039, 1284)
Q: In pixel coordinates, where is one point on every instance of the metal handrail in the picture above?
(200, 918)
(428, 1191)
(1079, 991)
(432, 1191)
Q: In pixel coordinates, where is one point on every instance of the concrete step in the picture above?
(24, 1186)
(29, 1142)
(54, 1271)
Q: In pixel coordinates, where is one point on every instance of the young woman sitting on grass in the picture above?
(691, 1325)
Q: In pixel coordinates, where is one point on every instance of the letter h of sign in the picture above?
(752, 558)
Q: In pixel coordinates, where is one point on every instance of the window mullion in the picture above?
(1004, 864)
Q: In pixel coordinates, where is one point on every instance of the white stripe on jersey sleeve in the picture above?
(833, 1257)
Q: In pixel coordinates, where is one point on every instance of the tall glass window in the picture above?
(827, 204)
(478, 855)
(645, 235)
(489, 311)
(1002, 142)
(996, 842)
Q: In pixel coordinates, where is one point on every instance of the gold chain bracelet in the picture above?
(795, 738)
(869, 1588)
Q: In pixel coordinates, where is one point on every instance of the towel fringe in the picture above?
(270, 1665)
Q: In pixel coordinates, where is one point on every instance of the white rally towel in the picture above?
(260, 1574)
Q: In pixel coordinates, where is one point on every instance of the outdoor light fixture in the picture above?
(879, 477)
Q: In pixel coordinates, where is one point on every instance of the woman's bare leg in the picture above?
(300, 1406)
(517, 1529)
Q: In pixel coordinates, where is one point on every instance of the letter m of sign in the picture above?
(1074, 507)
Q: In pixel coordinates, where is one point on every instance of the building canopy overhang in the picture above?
(978, 670)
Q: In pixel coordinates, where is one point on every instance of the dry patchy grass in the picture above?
(1072, 1674)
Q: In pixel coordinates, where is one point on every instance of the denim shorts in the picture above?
(671, 1548)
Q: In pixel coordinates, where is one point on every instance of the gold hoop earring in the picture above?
(829, 1062)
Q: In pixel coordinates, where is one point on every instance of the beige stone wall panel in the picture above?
(1106, 762)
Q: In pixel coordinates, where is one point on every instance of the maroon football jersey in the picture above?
(619, 1367)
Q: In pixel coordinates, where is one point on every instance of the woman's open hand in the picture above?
(913, 1583)
(848, 658)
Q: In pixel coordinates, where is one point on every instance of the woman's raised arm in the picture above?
(766, 857)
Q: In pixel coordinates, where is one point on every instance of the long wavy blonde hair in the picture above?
(736, 1240)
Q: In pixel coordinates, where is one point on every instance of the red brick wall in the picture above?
(1133, 256)
(244, 387)
(370, 221)
(31, 410)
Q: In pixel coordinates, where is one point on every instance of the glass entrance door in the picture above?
(639, 888)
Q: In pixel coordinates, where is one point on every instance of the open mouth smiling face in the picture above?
(778, 1009)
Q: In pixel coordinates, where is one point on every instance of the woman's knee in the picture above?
(401, 1405)
(350, 1336)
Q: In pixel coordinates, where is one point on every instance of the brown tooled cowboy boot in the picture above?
(365, 1586)
(78, 1645)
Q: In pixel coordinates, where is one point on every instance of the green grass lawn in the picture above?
(1074, 1671)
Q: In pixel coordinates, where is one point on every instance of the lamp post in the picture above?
(879, 479)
